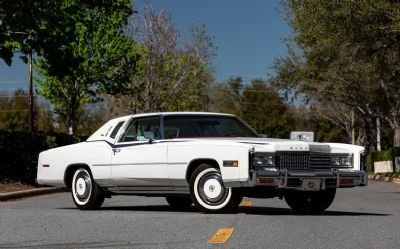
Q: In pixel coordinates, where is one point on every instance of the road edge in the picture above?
(28, 193)
(382, 178)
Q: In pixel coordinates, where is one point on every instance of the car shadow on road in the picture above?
(252, 210)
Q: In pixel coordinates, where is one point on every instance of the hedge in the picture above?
(19, 152)
(386, 155)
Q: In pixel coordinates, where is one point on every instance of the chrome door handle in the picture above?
(116, 150)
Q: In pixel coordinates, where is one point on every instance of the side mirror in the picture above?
(262, 135)
(148, 134)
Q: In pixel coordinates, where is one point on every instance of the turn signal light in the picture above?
(266, 181)
(231, 163)
(346, 182)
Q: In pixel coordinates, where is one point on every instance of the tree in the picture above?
(175, 70)
(265, 111)
(345, 52)
(225, 96)
(88, 55)
(14, 112)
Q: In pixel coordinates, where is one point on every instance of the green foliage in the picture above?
(14, 112)
(264, 110)
(308, 119)
(88, 53)
(345, 52)
(225, 96)
(174, 69)
(19, 152)
(257, 104)
(386, 155)
(17, 20)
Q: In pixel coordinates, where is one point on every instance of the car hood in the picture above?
(270, 144)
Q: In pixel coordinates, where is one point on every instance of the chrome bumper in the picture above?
(294, 179)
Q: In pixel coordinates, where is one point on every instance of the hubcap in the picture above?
(83, 186)
(211, 189)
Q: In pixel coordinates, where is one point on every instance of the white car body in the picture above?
(163, 166)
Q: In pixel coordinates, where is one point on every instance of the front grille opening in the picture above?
(303, 161)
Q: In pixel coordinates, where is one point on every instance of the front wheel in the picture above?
(209, 193)
(86, 193)
(307, 202)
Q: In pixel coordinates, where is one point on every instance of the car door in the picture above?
(136, 162)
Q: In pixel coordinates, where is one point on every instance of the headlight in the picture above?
(257, 161)
(342, 161)
(267, 160)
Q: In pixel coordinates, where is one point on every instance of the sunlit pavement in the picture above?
(366, 217)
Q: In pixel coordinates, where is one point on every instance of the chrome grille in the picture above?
(303, 161)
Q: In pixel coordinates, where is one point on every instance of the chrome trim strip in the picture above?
(150, 163)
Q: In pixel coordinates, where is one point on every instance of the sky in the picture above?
(248, 35)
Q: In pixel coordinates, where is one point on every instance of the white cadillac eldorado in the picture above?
(209, 159)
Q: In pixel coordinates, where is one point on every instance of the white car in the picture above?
(209, 159)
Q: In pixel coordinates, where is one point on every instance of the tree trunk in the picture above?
(71, 125)
(396, 137)
(378, 135)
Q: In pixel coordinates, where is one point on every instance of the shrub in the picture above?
(386, 155)
(19, 152)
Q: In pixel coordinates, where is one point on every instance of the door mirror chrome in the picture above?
(148, 135)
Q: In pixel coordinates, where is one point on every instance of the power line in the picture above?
(21, 110)
(12, 81)
(17, 96)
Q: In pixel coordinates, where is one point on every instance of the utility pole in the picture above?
(30, 93)
(30, 83)
(353, 132)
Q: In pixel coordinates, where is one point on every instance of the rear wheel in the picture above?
(208, 192)
(179, 202)
(310, 202)
(85, 192)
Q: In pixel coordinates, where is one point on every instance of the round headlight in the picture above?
(346, 161)
(268, 160)
(336, 161)
(257, 160)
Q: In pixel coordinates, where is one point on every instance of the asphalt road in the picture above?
(366, 217)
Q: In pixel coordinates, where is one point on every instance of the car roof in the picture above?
(180, 113)
(124, 118)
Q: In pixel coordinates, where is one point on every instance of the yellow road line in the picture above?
(221, 236)
(246, 204)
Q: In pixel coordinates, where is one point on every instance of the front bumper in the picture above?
(296, 179)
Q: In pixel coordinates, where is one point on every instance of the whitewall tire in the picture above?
(85, 192)
(208, 192)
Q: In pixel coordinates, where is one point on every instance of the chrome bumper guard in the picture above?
(294, 179)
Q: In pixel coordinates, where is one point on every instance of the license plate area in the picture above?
(311, 184)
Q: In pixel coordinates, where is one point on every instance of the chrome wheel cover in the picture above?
(211, 189)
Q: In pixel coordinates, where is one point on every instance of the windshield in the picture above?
(189, 126)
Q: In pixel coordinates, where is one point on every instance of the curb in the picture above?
(29, 193)
(382, 178)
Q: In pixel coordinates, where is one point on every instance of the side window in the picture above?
(142, 128)
(116, 129)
